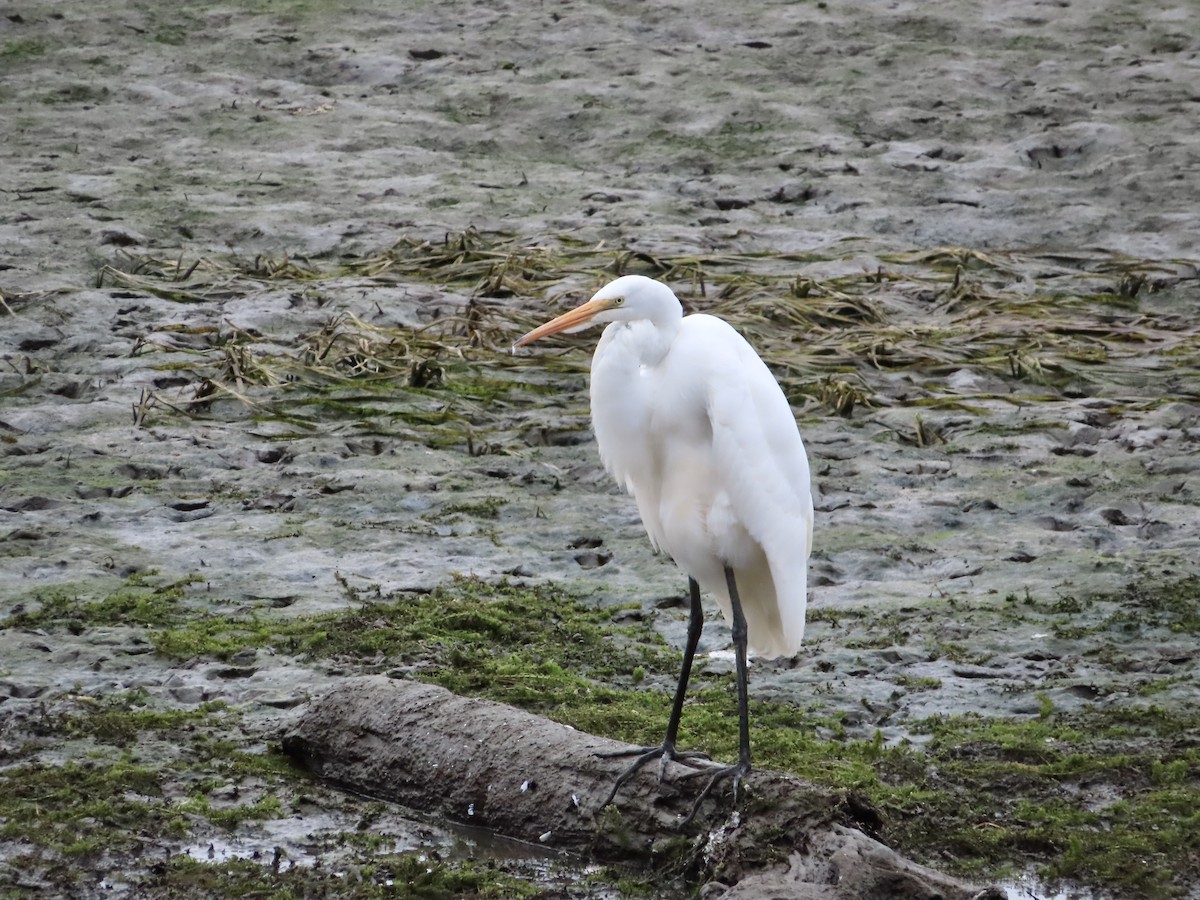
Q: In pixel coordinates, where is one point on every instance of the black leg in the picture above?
(743, 677)
(695, 626)
(667, 752)
(736, 772)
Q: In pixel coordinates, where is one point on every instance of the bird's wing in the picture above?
(760, 459)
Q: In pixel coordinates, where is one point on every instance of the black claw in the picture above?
(737, 773)
(644, 755)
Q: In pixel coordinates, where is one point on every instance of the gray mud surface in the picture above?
(261, 263)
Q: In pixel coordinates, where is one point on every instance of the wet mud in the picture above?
(260, 269)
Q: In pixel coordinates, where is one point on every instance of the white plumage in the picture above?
(690, 421)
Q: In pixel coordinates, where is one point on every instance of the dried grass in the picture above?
(1038, 324)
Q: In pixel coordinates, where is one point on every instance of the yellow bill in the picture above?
(575, 320)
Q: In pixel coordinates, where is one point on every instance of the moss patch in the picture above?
(386, 876)
(1078, 796)
(1071, 793)
(139, 601)
(1075, 794)
(133, 776)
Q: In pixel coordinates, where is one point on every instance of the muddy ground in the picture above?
(261, 264)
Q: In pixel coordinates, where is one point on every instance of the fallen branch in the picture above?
(490, 765)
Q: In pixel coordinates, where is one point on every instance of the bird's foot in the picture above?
(736, 772)
(666, 753)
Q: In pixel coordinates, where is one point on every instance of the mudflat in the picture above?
(260, 268)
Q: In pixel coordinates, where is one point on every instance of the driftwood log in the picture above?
(522, 776)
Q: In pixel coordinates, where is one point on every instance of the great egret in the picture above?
(690, 421)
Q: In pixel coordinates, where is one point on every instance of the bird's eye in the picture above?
(618, 301)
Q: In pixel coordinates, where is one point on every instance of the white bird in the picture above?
(690, 421)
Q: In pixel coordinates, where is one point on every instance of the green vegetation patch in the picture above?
(137, 602)
(413, 876)
(1077, 794)
(82, 808)
(1145, 607)
(133, 776)
(525, 645)
(1106, 796)
(1173, 605)
(21, 49)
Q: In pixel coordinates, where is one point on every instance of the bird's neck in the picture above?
(649, 341)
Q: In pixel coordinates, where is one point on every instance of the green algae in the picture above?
(136, 602)
(1105, 797)
(1070, 793)
(20, 49)
(58, 807)
(386, 876)
(112, 796)
(139, 775)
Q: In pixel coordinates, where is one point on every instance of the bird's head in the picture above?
(629, 298)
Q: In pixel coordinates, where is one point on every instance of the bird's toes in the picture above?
(624, 751)
(693, 759)
(735, 773)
